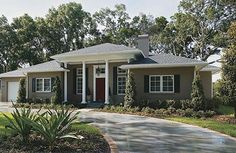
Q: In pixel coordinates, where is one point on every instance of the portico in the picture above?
(94, 64)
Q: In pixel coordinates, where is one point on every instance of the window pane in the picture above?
(79, 71)
(79, 85)
(39, 84)
(168, 83)
(155, 83)
(47, 84)
(121, 83)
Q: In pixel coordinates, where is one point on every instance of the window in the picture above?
(79, 80)
(161, 83)
(43, 85)
(121, 81)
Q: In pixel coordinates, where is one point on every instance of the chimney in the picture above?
(143, 44)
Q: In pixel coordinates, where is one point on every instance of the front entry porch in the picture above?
(91, 82)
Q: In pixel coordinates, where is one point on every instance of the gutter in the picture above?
(136, 66)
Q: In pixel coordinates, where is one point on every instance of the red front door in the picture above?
(100, 89)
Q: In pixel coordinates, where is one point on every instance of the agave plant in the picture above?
(54, 125)
(18, 124)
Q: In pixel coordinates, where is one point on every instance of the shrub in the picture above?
(174, 104)
(54, 125)
(57, 98)
(186, 104)
(130, 91)
(21, 98)
(18, 123)
(197, 95)
(188, 112)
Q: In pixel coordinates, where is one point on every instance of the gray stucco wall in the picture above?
(186, 78)
(206, 78)
(4, 89)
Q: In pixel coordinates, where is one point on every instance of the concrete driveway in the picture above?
(139, 134)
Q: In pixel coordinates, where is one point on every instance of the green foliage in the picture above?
(21, 98)
(197, 95)
(229, 69)
(57, 98)
(54, 125)
(18, 124)
(130, 91)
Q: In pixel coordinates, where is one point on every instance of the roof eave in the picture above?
(136, 66)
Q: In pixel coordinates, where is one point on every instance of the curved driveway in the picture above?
(139, 134)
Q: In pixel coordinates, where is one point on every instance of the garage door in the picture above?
(13, 88)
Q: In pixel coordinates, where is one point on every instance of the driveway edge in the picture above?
(112, 144)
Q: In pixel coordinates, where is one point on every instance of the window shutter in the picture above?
(177, 83)
(74, 81)
(52, 83)
(87, 88)
(146, 83)
(114, 80)
(33, 84)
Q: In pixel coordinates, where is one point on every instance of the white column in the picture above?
(65, 84)
(84, 84)
(107, 83)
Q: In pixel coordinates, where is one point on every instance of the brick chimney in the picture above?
(143, 44)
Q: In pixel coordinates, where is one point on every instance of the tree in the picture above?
(9, 56)
(66, 28)
(57, 98)
(229, 69)
(21, 98)
(130, 91)
(30, 47)
(197, 95)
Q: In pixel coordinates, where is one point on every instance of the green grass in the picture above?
(3, 123)
(87, 128)
(226, 110)
(228, 129)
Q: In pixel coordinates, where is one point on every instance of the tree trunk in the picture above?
(234, 111)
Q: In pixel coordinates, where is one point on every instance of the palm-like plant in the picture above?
(18, 123)
(54, 125)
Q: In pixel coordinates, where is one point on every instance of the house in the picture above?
(98, 73)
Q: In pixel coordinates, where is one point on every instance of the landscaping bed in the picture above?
(92, 141)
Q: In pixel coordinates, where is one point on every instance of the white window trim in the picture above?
(79, 76)
(43, 90)
(161, 84)
(117, 86)
(120, 75)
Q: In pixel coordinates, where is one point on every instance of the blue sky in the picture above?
(14, 8)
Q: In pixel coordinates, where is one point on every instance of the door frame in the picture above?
(95, 76)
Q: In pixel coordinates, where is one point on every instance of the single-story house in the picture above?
(99, 73)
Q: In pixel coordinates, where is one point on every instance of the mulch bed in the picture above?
(90, 144)
(225, 119)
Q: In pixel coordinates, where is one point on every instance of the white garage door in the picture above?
(13, 88)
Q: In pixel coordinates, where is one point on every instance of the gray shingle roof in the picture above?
(166, 59)
(51, 66)
(16, 73)
(97, 49)
(212, 68)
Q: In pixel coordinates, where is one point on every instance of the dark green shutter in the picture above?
(114, 80)
(33, 84)
(52, 83)
(177, 83)
(87, 87)
(74, 81)
(146, 83)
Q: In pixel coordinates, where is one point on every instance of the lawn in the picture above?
(226, 128)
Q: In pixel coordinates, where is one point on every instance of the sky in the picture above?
(38, 8)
